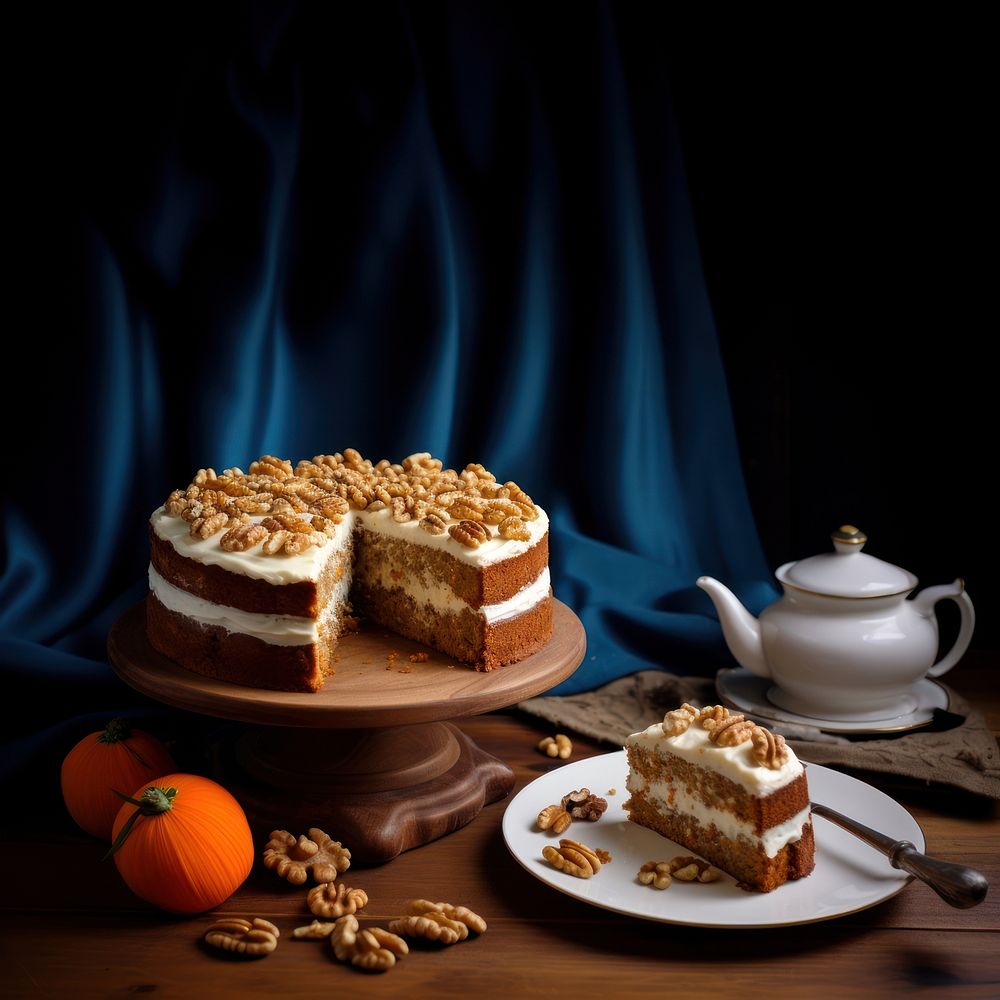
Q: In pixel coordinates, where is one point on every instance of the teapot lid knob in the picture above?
(847, 538)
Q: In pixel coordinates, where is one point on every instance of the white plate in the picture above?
(849, 876)
(741, 689)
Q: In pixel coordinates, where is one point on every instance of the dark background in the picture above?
(837, 179)
(838, 173)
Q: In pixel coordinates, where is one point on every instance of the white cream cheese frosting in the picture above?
(283, 569)
(279, 630)
(736, 762)
(290, 630)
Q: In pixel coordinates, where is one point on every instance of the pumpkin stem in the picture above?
(115, 731)
(154, 801)
(118, 731)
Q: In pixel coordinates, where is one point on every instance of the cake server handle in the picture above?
(957, 885)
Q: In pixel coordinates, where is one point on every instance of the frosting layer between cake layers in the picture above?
(294, 630)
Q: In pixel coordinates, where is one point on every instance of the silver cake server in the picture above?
(957, 885)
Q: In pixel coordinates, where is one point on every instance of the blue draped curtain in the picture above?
(285, 229)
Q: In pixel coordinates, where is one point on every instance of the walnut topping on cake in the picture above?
(711, 715)
(728, 729)
(679, 720)
(299, 507)
(732, 731)
(769, 748)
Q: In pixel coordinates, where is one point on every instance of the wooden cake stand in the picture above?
(371, 757)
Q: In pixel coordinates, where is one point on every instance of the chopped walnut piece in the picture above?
(206, 526)
(462, 511)
(769, 748)
(556, 746)
(656, 874)
(314, 931)
(419, 657)
(318, 855)
(244, 937)
(434, 524)
(554, 818)
(691, 869)
(269, 465)
(583, 804)
(334, 899)
(243, 537)
(514, 529)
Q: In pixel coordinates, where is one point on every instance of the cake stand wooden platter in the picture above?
(371, 758)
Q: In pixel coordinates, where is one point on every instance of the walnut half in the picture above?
(294, 859)
(259, 937)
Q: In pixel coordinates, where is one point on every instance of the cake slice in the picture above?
(725, 789)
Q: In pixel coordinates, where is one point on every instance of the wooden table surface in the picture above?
(71, 928)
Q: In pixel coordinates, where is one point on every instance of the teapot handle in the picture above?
(968, 614)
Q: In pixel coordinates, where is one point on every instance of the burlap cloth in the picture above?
(956, 748)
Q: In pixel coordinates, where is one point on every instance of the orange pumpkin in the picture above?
(182, 843)
(117, 757)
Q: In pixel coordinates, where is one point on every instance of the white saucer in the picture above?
(749, 693)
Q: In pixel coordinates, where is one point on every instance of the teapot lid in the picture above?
(847, 571)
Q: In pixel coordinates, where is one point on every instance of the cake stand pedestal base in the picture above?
(378, 791)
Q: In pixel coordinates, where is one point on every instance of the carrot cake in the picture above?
(254, 575)
(725, 789)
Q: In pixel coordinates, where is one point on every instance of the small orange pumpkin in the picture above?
(117, 757)
(182, 843)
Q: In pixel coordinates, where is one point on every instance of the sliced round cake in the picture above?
(254, 575)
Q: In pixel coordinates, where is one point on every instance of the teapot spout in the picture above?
(739, 628)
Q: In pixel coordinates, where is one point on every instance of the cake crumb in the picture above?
(405, 670)
(419, 657)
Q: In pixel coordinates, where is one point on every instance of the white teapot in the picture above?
(843, 640)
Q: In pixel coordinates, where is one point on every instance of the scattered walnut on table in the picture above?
(372, 949)
(294, 859)
(243, 937)
(440, 922)
(556, 746)
(463, 914)
(314, 931)
(430, 926)
(334, 899)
